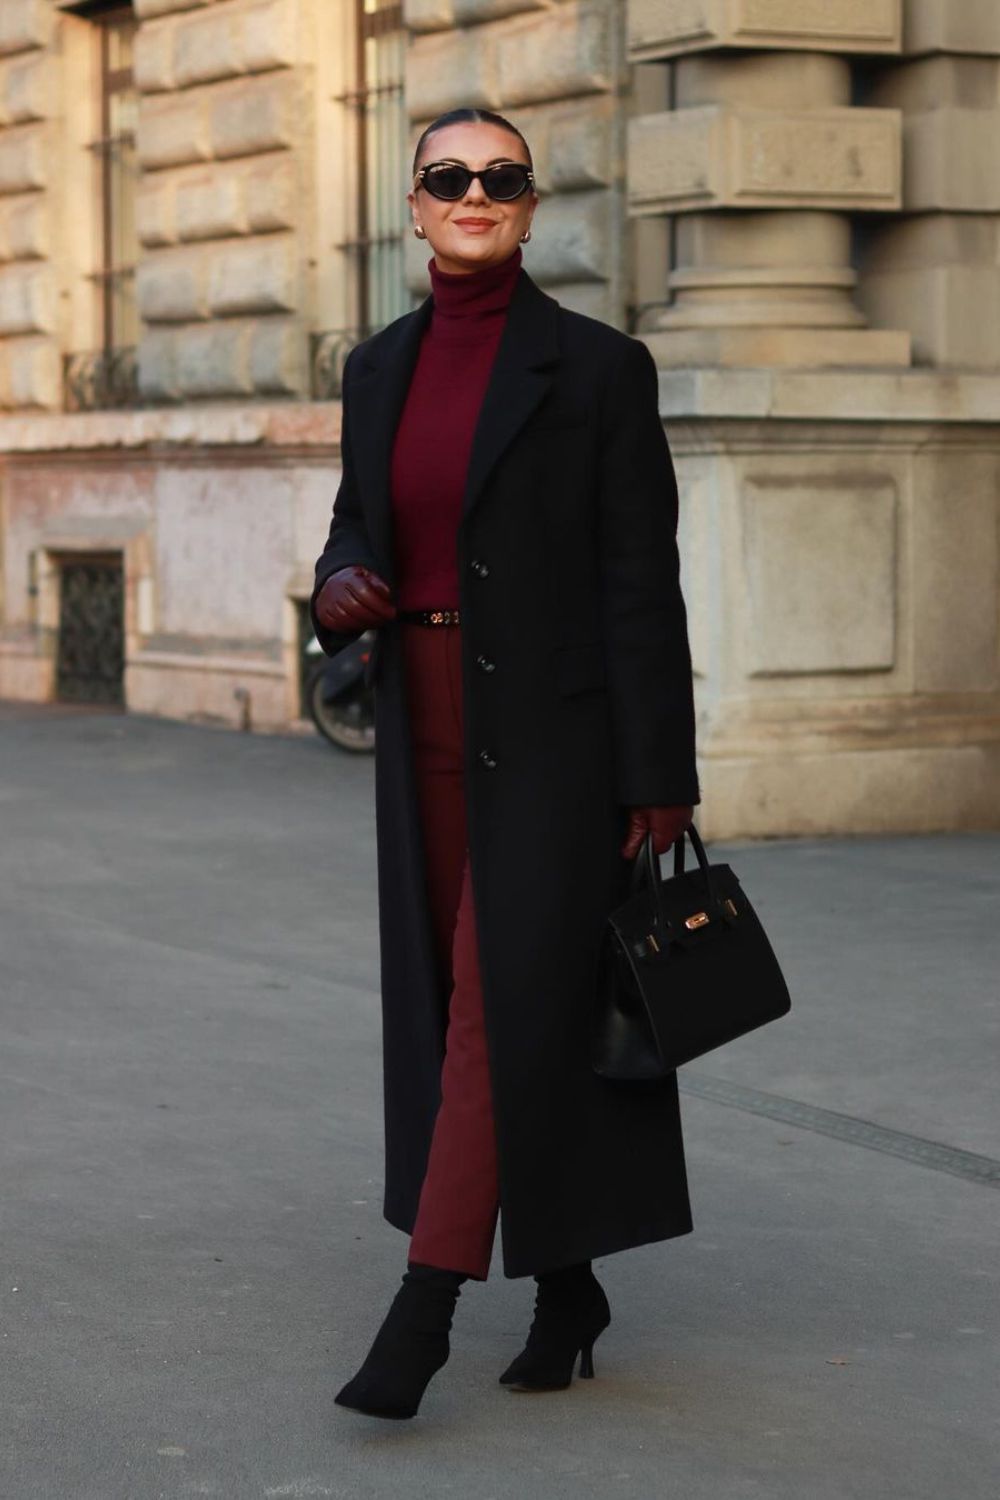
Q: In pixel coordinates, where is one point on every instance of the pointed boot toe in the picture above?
(410, 1347)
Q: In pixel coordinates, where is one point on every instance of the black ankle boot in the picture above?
(571, 1310)
(411, 1345)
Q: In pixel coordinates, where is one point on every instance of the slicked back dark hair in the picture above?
(468, 116)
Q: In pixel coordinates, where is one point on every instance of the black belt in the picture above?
(429, 616)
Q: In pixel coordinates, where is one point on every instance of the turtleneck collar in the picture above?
(468, 295)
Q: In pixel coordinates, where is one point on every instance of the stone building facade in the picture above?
(796, 203)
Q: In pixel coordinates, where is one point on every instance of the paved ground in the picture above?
(192, 1255)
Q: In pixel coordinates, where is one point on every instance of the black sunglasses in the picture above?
(503, 181)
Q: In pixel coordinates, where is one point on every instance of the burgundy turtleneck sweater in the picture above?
(430, 455)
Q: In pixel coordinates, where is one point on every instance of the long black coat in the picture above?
(568, 572)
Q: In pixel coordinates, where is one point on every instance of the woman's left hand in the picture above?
(666, 824)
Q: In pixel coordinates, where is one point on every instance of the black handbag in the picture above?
(684, 966)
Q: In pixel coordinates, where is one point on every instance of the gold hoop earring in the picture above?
(421, 234)
(526, 237)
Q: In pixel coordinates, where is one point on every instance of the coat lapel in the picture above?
(519, 379)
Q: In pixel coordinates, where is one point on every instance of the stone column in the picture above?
(763, 160)
(938, 266)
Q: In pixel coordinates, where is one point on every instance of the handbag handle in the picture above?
(647, 865)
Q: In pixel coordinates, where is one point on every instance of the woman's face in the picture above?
(474, 230)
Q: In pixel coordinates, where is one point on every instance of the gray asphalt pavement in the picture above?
(192, 1253)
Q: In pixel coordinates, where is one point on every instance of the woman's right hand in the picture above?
(354, 599)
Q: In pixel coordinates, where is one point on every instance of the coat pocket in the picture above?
(579, 669)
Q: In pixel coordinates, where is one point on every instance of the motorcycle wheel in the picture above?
(349, 721)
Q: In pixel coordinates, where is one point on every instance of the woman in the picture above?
(506, 521)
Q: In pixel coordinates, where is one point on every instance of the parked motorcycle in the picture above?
(337, 699)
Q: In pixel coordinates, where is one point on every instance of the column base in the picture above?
(915, 790)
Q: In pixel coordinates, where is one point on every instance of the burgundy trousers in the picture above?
(459, 1200)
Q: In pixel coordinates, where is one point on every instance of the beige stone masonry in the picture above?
(939, 267)
(257, 115)
(27, 89)
(271, 187)
(227, 358)
(951, 26)
(307, 424)
(446, 66)
(237, 118)
(804, 348)
(209, 204)
(24, 158)
(25, 228)
(731, 157)
(803, 535)
(761, 268)
(439, 15)
(428, 15)
(157, 364)
(27, 298)
(278, 357)
(153, 57)
(727, 143)
(940, 274)
(574, 239)
(839, 548)
(173, 130)
(548, 55)
(217, 200)
(213, 360)
(171, 286)
(156, 210)
(566, 51)
(24, 24)
(268, 35)
(30, 373)
(951, 114)
(579, 144)
(147, 9)
(207, 47)
(234, 37)
(258, 275)
(904, 398)
(669, 28)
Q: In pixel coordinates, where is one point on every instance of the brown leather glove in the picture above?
(354, 599)
(666, 824)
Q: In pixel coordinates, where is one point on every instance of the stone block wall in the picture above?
(225, 211)
(556, 71)
(937, 264)
(29, 285)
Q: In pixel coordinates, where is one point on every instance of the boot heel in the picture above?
(587, 1362)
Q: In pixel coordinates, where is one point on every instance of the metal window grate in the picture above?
(99, 378)
(381, 216)
(91, 661)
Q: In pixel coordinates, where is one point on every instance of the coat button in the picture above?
(485, 664)
(479, 568)
(487, 760)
